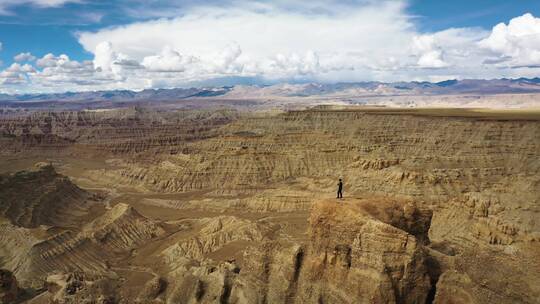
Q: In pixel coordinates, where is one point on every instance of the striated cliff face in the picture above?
(488, 252)
(365, 251)
(422, 156)
(351, 256)
(118, 131)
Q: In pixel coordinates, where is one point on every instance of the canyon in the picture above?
(222, 205)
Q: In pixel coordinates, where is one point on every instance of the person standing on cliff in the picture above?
(340, 189)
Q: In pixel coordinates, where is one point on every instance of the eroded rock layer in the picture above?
(43, 197)
(221, 207)
(122, 131)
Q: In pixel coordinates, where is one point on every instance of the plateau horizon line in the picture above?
(401, 85)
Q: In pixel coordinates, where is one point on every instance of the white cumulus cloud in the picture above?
(243, 40)
(16, 74)
(105, 57)
(430, 54)
(24, 57)
(168, 60)
(516, 43)
(359, 40)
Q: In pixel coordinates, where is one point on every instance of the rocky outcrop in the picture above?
(152, 289)
(485, 255)
(74, 287)
(213, 234)
(41, 197)
(360, 251)
(202, 283)
(351, 256)
(348, 246)
(489, 276)
(9, 289)
(121, 228)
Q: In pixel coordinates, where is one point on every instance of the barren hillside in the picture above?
(135, 205)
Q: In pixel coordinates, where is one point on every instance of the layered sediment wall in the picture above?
(206, 207)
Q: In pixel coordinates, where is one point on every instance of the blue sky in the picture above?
(435, 15)
(30, 28)
(77, 27)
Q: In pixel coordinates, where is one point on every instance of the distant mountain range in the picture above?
(280, 91)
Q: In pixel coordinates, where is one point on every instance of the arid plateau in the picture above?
(224, 205)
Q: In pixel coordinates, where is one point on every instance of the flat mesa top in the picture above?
(531, 114)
